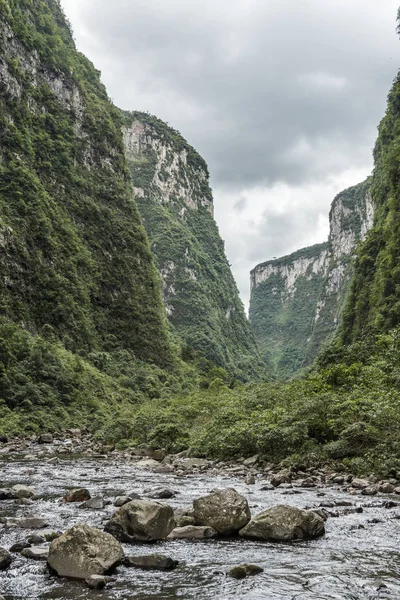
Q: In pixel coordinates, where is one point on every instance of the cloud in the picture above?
(279, 96)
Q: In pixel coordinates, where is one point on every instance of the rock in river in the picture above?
(158, 562)
(192, 532)
(225, 510)
(83, 551)
(283, 524)
(5, 559)
(141, 521)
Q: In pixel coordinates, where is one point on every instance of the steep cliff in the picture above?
(296, 301)
(75, 259)
(171, 186)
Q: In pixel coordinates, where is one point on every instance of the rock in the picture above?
(99, 582)
(339, 479)
(283, 524)
(36, 552)
(7, 495)
(5, 559)
(183, 517)
(77, 495)
(94, 503)
(36, 538)
(3, 439)
(27, 523)
(121, 500)
(386, 488)
(23, 491)
(360, 484)
(225, 510)
(371, 490)
(161, 494)
(307, 483)
(83, 551)
(19, 546)
(149, 463)
(242, 571)
(280, 478)
(190, 463)
(45, 438)
(158, 562)
(250, 462)
(250, 480)
(142, 521)
(192, 532)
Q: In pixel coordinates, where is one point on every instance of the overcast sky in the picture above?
(281, 97)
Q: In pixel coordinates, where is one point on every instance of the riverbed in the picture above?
(358, 558)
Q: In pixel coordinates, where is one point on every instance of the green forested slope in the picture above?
(171, 184)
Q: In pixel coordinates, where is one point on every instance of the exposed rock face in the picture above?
(226, 511)
(84, 551)
(141, 521)
(284, 524)
(297, 300)
(171, 186)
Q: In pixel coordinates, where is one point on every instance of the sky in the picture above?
(281, 97)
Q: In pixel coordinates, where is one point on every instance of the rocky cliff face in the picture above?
(171, 186)
(75, 259)
(297, 300)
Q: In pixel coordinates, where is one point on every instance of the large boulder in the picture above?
(141, 521)
(225, 510)
(283, 524)
(83, 551)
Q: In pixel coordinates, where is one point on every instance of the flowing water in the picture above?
(357, 559)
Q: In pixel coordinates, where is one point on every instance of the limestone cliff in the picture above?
(171, 186)
(297, 300)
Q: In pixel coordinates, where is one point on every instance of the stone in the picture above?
(158, 562)
(161, 494)
(360, 484)
(250, 462)
(98, 582)
(386, 488)
(225, 510)
(94, 503)
(5, 559)
(36, 538)
(280, 478)
(184, 517)
(45, 438)
(141, 521)
(243, 571)
(192, 532)
(148, 463)
(3, 439)
(284, 523)
(370, 490)
(250, 480)
(36, 552)
(19, 546)
(23, 491)
(27, 523)
(190, 463)
(77, 495)
(121, 500)
(83, 551)
(7, 495)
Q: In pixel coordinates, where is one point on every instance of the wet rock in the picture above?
(225, 510)
(7, 495)
(250, 462)
(83, 551)
(307, 483)
(99, 582)
(36, 538)
(161, 494)
(5, 559)
(371, 490)
(77, 495)
(94, 503)
(283, 524)
(243, 571)
(36, 552)
(158, 562)
(19, 546)
(23, 491)
(121, 500)
(280, 478)
(192, 532)
(190, 463)
(250, 480)
(353, 511)
(386, 488)
(339, 479)
(360, 484)
(27, 523)
(45, 438)
(141, 520)
(184, 517)
(149, 463)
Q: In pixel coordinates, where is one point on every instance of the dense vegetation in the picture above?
(175, 202)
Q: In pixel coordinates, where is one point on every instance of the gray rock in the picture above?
(121, 500)
(94, 503)
(250, 462)
(370, 490)
(19, 546)
(250, 480)
(77, 495)
(192, 532)
(45, 438)
(83, 551)
(360, 484)
(158, 562)
(225, 510)
(161, 494)
(280, 478)
(243, 571)
(7, 495)
(23, 491)
(283, 524)
(386, 488)
(27, 523)
(184, 517)
(141, 520)
(99, 582)
(5, 559)
(36, 552)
